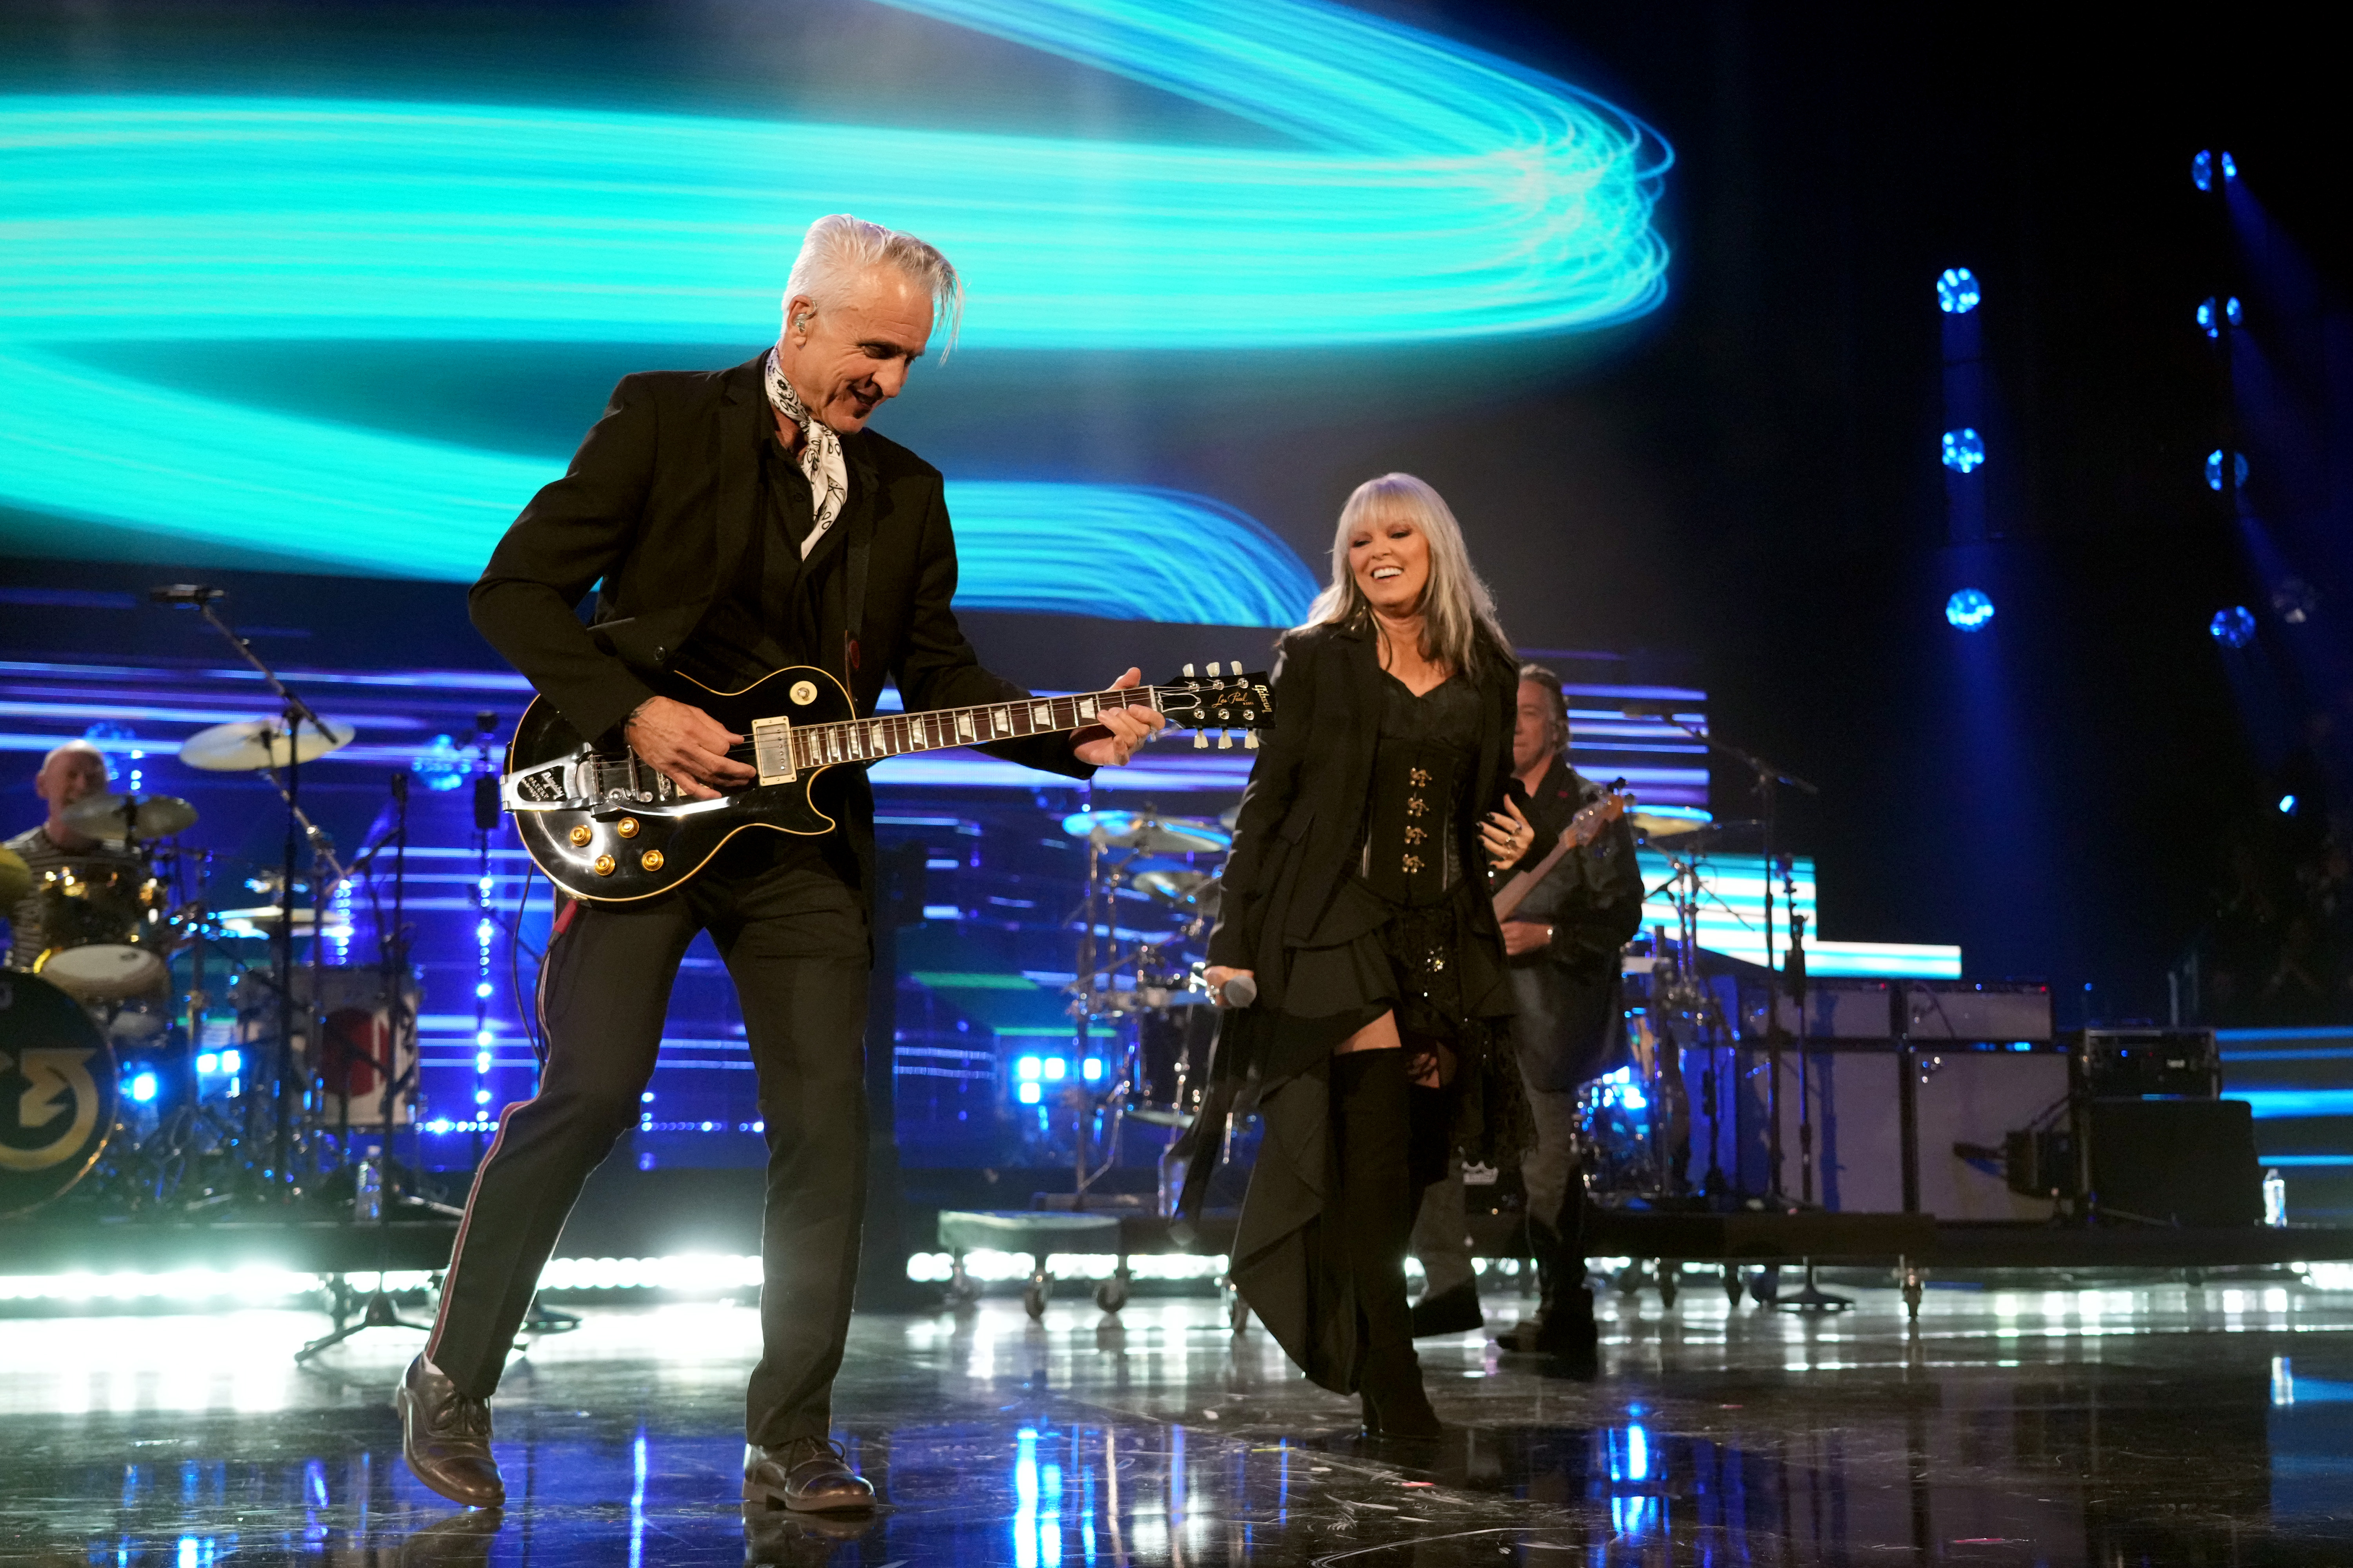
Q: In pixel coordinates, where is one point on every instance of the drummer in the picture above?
(68, 773)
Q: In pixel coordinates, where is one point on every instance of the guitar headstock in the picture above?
(1223, 698)
(1614, 802)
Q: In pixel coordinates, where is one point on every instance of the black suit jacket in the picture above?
(1571, 1026)
(1302, 824)
(657, 506)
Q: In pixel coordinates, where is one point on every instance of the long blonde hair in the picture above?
(1458, 615)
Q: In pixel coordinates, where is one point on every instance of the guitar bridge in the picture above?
(771, 750)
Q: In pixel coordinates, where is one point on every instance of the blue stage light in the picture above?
(2203, 166)
(2215, 469)
(1969, 609)
(2231, 312)
(2229, 167)
(1030, 1068)
(2234, 628)
(1956, 291)
(1028, 1094)
(1093, 1070)
(143, 1086)
(1964, 450)
(1056, 1069)
(231, 1062)
(442, 765)
(2287, 805)
(208, 1064)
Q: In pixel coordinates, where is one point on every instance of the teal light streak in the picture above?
(1435, 194)
(359, 500)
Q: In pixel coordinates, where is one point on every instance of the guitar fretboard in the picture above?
(800, 748)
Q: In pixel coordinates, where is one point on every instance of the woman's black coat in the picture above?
(1299, 834)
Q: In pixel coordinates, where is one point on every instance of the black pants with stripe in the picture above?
(795, 941)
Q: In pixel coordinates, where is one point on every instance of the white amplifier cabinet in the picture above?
(2001, 1011)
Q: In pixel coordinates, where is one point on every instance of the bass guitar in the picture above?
(1582, 829)
(607, 827)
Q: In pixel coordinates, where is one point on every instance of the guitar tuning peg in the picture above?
(1225, 739)
(1236, 666)
(1250, 740)
(1200, 740)
(1213, 667)
(1188, 669)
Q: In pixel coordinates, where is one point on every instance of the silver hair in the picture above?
(1537, 675)
(840, 248)
(1457, 614)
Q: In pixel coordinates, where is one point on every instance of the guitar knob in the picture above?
(603, 866)
(580, 835)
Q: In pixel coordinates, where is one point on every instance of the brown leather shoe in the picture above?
(807, 1475)
(446, 1436)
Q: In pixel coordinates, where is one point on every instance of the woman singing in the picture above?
(1356, 898)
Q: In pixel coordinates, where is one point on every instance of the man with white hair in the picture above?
(732, 522)
(68, 773)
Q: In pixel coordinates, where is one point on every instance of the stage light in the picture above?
(2294, 600)
(2287, 805)
(441, 764)
(1956, 291)
(1969, 609)
(2215, 469)
(1093, 1070)
(2231, 314)
(1055, 1068)
(1964, 450)
(208, 1062)
(1028, 1094)
(1028, 1068)
(231, 1062)
(143, 1086)
(2234, 628)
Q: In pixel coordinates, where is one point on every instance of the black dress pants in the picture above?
(795, 941)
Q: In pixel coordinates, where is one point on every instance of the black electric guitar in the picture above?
(607, 827)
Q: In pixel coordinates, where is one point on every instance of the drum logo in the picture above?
(46, 1093)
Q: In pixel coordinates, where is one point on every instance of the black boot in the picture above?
(1455, 1312)
(446, 1437)
(1376, 1208)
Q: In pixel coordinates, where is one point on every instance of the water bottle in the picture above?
(368, 1190)
(2274, 1199)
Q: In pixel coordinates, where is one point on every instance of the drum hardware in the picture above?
(279, 747)
(129, 818)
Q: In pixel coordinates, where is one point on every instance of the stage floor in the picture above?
(2163, 1427)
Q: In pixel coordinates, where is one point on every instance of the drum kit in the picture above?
(1151, 898)
(119, 1066)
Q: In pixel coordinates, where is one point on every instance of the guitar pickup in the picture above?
(771, 750)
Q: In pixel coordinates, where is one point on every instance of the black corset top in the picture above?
(1422, 772)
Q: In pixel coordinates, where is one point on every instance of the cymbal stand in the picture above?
(296, 713)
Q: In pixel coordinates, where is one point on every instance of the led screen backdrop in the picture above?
(234, 326)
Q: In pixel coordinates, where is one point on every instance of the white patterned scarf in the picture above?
(821, 459)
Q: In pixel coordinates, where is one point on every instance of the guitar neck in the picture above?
(782, 749)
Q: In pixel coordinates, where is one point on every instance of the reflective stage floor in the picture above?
(2169, 1426)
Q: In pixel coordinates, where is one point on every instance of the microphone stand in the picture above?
(295, 714)
(1769, 775)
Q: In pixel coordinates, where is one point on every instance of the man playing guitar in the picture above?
(732, 523)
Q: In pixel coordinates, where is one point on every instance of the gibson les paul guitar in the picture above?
(607, 827)
(1582, 829)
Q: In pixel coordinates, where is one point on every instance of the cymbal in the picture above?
(268, 917)
(16, 877)
(145, 817)
(1156, 835)
(1662, 826)
(1195, 891)
(247, 745)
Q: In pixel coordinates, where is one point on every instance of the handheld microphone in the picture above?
(1240, 991)
(186, 594)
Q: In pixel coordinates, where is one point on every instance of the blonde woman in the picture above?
(1357, 900)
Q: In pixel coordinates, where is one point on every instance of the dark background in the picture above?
(1742, 489)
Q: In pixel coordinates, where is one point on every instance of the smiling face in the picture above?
(1389, 559)
(848, 359)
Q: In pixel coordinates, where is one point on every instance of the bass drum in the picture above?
(57, 1092)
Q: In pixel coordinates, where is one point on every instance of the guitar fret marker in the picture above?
(1002, 718)
(965, 726)
(1042, 716)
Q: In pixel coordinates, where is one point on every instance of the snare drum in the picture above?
(102, 933)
